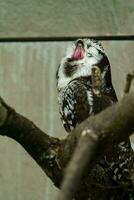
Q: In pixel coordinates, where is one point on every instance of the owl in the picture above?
(74, 82)
(78, 101)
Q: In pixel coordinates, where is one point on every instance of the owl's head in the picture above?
(82, 48)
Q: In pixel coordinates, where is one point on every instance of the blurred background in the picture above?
(27, 72)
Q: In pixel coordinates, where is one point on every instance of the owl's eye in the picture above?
(89, 55)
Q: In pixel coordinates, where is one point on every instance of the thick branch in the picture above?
(116, 122)
(43, 148)
(85, 150)
(52, 154)
(113, 124)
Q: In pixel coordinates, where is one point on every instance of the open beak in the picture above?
(79, 51)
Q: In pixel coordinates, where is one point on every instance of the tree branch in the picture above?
(113, 124)
(85, 150)
(129, 79)
(43, 148)
(53, 154)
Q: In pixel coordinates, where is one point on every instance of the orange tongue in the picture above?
(78, 53)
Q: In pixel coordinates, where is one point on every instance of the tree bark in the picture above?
(53, 155)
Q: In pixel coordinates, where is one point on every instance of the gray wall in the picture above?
(27, 82)
(61, 18)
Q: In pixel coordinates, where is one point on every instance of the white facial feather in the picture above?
(92, 57)
(84, 69)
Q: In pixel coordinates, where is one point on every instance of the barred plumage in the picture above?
(77, 101)
(74, 81)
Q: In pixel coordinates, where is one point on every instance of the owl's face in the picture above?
(85, 48)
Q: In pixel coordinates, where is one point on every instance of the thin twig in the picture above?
(96, 80)
(129, 79)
